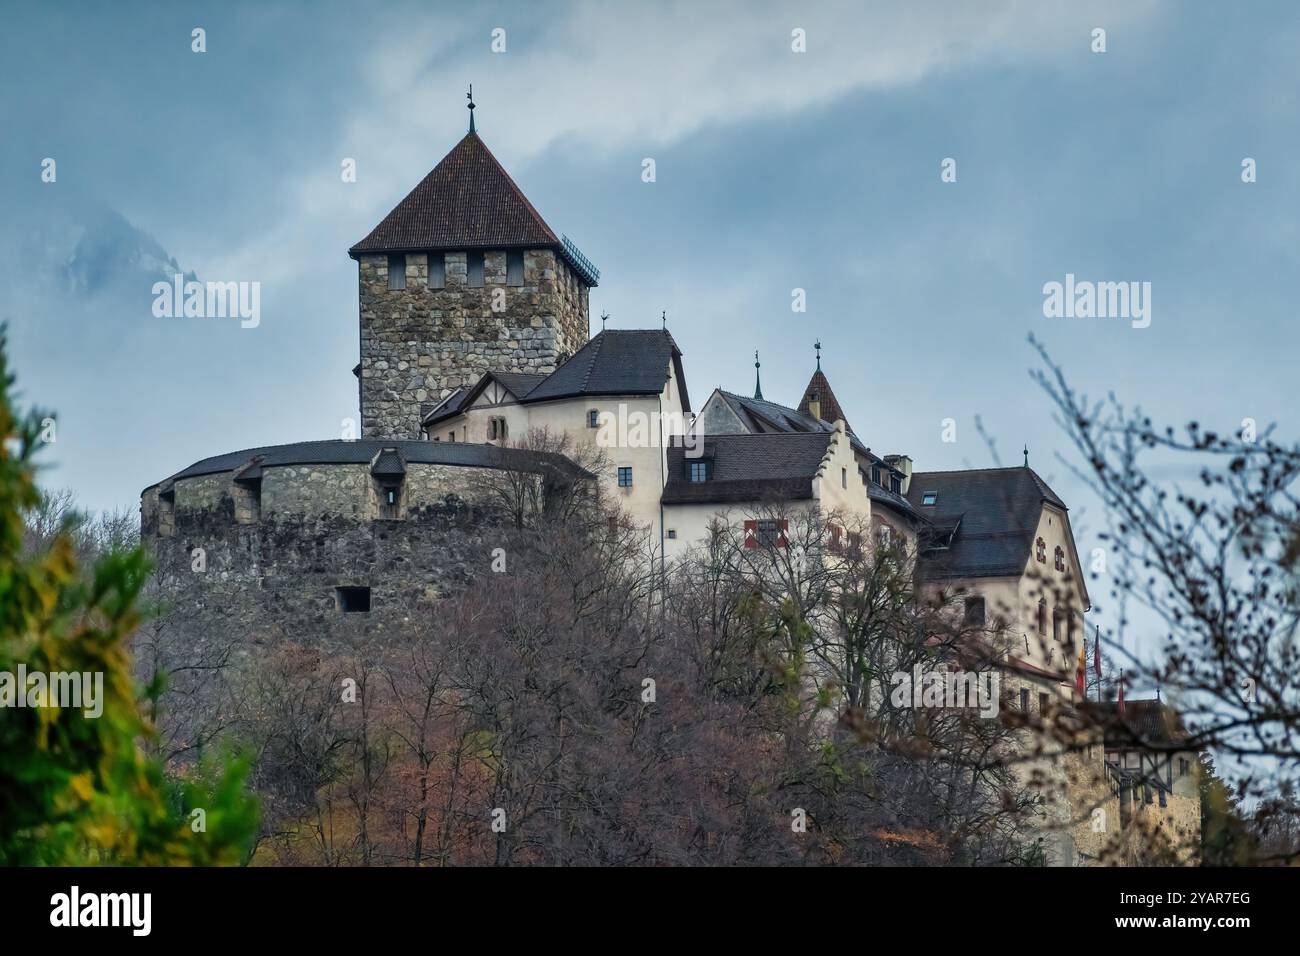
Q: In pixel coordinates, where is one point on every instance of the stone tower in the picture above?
(461, 278)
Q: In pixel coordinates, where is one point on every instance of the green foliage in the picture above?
(77, 789)
(1226, 838)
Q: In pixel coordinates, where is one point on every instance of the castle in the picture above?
(474, 332)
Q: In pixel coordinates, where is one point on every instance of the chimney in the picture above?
(815, 405)
(903, 464)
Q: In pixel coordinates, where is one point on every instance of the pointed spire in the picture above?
(818, 346)
(758, 382)
(1026, 454)
(470, 96)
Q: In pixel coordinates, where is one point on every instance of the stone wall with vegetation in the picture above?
(418, 344)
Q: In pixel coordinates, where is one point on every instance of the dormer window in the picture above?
(929, 498)
(697, 471)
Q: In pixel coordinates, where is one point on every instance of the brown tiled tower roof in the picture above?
(468, 201)
(831, 410)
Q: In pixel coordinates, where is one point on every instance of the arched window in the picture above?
(1060, 558)
(1040, 551)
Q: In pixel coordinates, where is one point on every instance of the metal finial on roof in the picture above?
(758, 382)
(603, 316)
(818, 346)
(663, 319)
(470, 96)
(1026, 454)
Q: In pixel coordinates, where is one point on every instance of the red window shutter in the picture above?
(782, 527)
(751, 534)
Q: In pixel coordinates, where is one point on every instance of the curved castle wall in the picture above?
(259, 554)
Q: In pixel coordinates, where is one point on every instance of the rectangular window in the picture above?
(397, 272)
(1042, 702)
(625, 477)
(699, 471)
(514, 268)
(451, 435)
(672, 532)
(593, 419)
(770, 533)
(1184, 766)
(390, 501)
(474, 269)
(929, 497)
(353, 600)
(844, 477)
(975, 611)
(1024, 700)
(437, 270)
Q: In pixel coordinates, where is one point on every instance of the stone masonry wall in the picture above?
(419, 344)
(275, 578)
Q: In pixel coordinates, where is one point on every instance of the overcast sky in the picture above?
(775, 170)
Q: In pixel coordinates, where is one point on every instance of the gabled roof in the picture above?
(992, 514)
(830, 407)
(748, 468)
(763, 417)
(468, 201)
(388, 462)
(617, 362)
(519, 384)
(1150, 722)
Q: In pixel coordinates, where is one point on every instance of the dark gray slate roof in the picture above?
(986, 518)
(363, 451)
(388, 463)
(617, 362)
(519, 383)
(778, 465)
(764, 417)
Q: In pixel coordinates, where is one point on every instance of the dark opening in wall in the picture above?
(514, 268)
(353, 600)
(167, 512)
(474, 269)
(397, 272)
